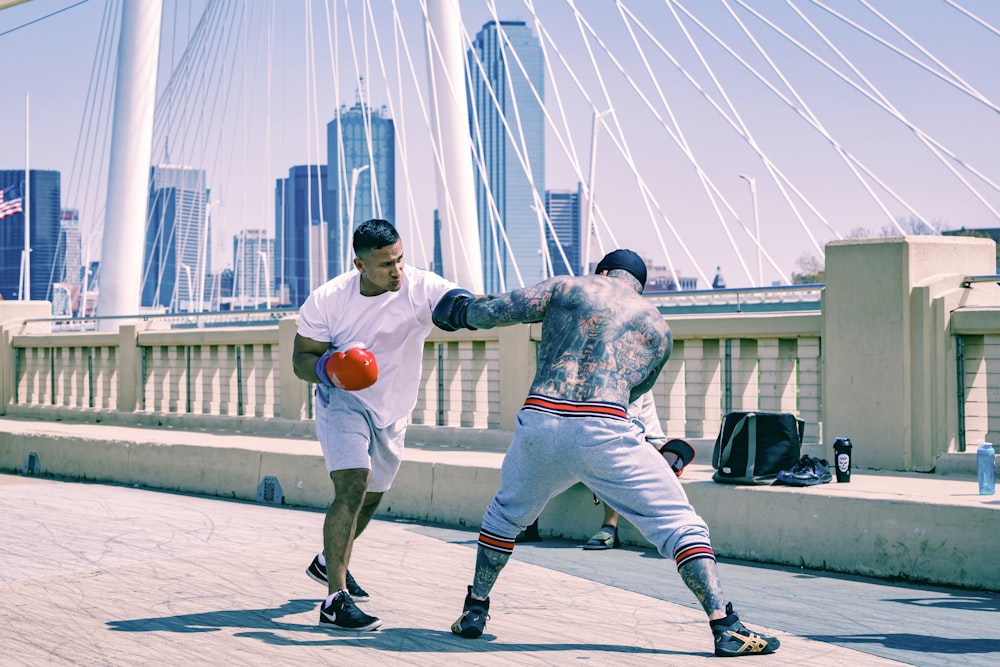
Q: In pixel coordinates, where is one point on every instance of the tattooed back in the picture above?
(601, 341)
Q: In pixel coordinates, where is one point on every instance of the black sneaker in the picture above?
(317, 572)
(732, 638)
(359, 594)
(472, 622)
(343, 614)
(809, 471)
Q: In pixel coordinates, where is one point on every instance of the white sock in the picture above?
(329, 598)
(321, 558)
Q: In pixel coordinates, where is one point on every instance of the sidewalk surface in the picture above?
(111, 575)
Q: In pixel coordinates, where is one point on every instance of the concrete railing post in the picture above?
(129, 368)
(517, 369)
(889, 380)
(12, 316)
(292, 390)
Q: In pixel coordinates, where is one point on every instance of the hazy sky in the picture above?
(688, 113)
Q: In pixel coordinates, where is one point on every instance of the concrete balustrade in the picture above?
(879, 363)
(901, 358)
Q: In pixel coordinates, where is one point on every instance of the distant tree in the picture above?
(911, 226)
(810, 270)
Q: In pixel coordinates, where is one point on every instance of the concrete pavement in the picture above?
(114, 575)
(890, 525)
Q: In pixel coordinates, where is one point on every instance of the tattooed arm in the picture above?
(662, 353)
(521, 305)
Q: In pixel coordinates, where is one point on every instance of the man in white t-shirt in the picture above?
(381, 311)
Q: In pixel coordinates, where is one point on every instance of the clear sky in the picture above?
(265, 105)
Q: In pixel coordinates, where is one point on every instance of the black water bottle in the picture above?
(842, 455)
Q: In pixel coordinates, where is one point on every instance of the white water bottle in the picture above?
(986, 463)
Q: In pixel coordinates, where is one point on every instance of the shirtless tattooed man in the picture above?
(602, 347)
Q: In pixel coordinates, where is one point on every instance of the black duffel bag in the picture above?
(753, 447)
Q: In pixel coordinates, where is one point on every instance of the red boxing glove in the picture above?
(353, 366)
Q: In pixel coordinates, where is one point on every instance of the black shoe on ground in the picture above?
(472, 622)
(343, 614)
(359, 594)
(529, 534)
(732, 638)
(809, 471)
(317, 572)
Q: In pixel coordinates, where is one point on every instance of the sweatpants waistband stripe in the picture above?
(567, 408)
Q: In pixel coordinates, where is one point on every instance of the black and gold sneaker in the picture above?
(732, 638)
(472, 622)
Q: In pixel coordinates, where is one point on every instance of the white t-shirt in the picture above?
(393, 325)
(644, 409)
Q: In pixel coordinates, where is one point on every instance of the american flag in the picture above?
(9, 203)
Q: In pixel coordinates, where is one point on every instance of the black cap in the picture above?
(626, 260)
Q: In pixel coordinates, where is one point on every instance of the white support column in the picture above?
(745, 379)
(128, 173)
(702, 385)
(669, 393)
(777, 375)
(456, 201)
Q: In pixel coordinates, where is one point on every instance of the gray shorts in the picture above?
(349, 439)
(551, 452)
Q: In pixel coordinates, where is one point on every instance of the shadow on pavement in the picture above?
(262, 624)
(913, 642)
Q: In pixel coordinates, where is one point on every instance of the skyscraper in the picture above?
(253, 259)
(67, 273)
(507, 73)
(298, 213)
(177, 252)
(69, 250)
(563, 209)
(361, 183)
(43, 206)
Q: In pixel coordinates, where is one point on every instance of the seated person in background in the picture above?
(677, 453)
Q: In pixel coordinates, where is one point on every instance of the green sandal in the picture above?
(605, 538)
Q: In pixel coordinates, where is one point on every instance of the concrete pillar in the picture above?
(744, 381)
(671, 403)
(129, 368)
(702, 384)
(889, 379)
(12, 316)
(517, 369)
(777, 375)
(292, 391)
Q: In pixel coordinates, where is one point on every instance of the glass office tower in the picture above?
(506, 71)
(563, 208)
(44, 207)
(177, 251)
(361, 170)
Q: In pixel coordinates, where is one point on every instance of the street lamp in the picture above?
(345, 242)
(756, 226)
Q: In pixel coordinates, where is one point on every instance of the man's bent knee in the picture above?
(349, 485)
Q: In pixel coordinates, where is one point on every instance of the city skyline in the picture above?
(242, 188)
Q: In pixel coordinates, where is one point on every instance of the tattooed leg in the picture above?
(702, 577)
(488, 565)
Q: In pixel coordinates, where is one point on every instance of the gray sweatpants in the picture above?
(550, 453)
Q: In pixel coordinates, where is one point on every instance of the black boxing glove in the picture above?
(452, 312)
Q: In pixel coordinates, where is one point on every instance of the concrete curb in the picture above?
(907, 526)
